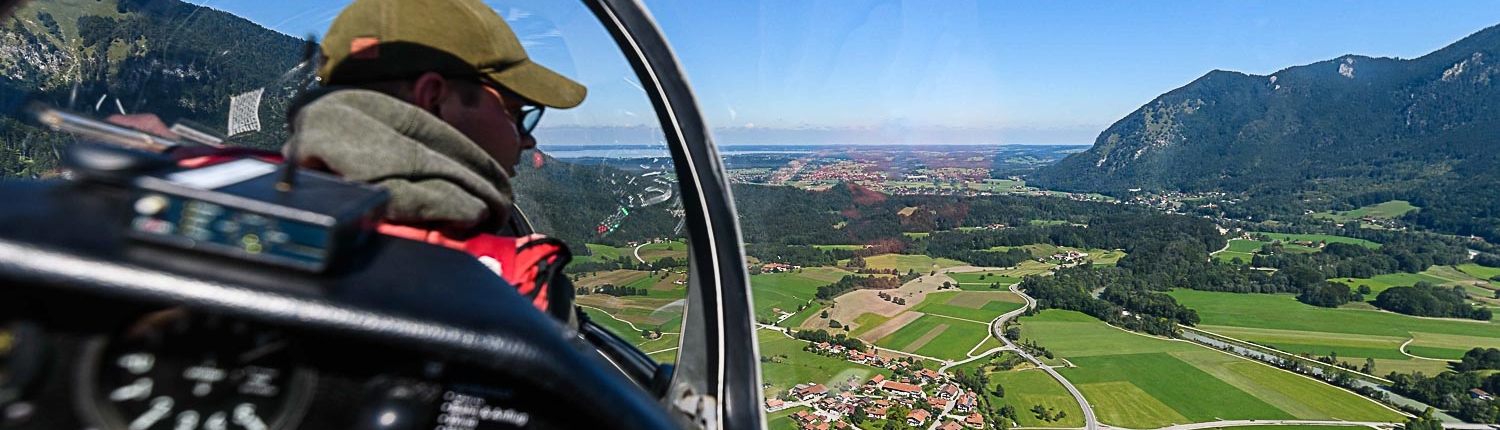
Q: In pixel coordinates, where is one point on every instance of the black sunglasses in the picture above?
(530, 113)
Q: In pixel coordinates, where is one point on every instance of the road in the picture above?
(1091, 422)
(638, 252)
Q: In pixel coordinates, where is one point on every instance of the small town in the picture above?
(927, 398)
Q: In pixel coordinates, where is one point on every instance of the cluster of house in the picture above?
(778, 268)
(1066, 257)
(635, 243)
(877, 395)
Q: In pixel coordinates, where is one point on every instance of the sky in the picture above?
(959, 71)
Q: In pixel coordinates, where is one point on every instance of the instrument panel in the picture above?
(175, 370)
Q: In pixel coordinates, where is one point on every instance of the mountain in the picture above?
(167, 57)
(1349, 131)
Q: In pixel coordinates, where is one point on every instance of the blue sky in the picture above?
(962, 71)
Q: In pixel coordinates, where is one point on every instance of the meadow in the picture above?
(971, 305)
(981, 281)
(1280, 321)
(1146, 382)
(1388, 210)
(937, 336)
(904, 263)
(788, 290)
(1328, 238)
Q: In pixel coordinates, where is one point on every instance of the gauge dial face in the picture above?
(174, 371)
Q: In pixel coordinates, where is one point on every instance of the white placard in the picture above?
(244, 112)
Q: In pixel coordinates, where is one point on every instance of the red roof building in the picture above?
(974, 420)
(917, 417)
(902, 388)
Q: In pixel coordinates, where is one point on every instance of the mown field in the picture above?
(1387, 210)
(937, 336)
(973, 305)
(1282, 322)
(1242, 248)
(1436, 275)
(656, 251)
(904, 263)
(788, 290)
(1027, 388)
(1144, 382)
(980, 281)
(1480, 272)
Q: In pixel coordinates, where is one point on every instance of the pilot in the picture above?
(434, 100)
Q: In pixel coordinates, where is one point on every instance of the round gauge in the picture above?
(176, 371)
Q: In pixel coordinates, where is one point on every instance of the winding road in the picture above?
(997, 329)
(1091, 422)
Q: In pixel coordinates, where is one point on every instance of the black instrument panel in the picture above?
(388, 341)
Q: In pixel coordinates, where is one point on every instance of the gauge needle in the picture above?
(139, 389)
(262, 351)
(160, 407)
(244, 415)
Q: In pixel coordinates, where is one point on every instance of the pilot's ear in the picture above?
(429, 90)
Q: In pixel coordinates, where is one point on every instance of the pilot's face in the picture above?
(490, 121)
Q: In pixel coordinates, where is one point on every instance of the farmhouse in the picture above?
(773, 405)
(965, 403)
(974, 420)
(948, 391)
(903, 389)
(917, 417)
(951, 425)
(1475, 393)
(811, 391)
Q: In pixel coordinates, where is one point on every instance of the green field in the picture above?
(937, 336)
(1241, 248)
(1389, 210)
(1027, 268)
(1437, 275)
(917, 235)
(656, 251)
(903, 262)
(788, 290)
(1027, 388)
(603, 253)
(1284, 237)
(799, 366)
(866, 321)
(1144, 382)
(971, 281)
(1480, 272)
(977, 306)
(1283, 322)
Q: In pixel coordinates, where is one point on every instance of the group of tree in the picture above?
(1479, 359)
(1424, 299)
(1450, 391)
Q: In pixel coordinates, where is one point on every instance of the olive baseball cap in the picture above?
(375, 40)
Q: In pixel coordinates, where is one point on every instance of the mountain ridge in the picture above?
(1312, 137)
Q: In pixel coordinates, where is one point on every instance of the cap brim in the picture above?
(541, 85)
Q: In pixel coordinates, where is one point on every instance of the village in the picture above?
(930, 399)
